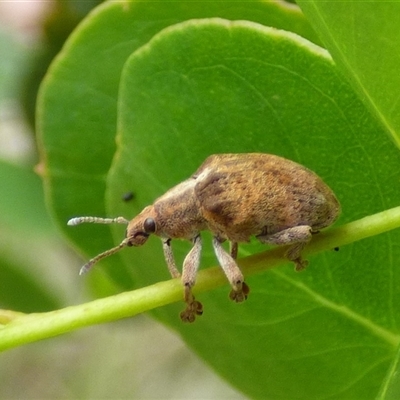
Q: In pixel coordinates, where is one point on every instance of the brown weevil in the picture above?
(235, 196)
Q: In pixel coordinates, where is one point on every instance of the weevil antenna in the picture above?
(97, 220)
(105, 254)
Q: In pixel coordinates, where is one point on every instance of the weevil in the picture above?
(235, 196)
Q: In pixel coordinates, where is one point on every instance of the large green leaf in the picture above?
(208, 87)
(363, 38)
(25, 226)
(211, 86)
(390, 388)
(77, 105)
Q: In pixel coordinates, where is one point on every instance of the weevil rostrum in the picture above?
(235, 196)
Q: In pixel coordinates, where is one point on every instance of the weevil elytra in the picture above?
(235, 196)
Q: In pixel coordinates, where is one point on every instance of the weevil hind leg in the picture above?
(239, 288)
(297, 237)
(234, 250)
(189, 271)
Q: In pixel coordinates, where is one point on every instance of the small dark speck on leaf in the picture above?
(128, 196)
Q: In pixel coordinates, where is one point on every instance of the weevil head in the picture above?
(137, 233)
(141, 227)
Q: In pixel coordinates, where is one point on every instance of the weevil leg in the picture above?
(234, 250)
(298, 237)
(169, 258)
(235, 277)
(189, 271)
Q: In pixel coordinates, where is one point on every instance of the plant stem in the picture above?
(22, 328)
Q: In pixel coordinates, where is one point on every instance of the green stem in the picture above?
(20, 328)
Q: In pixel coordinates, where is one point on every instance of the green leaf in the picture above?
(390, 389)
(206, 87)
(24, 220)
(211, 86)
(21, 189)
(19, 290)
(363, 39)
(77, 105)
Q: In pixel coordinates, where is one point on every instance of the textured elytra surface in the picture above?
(261, 194)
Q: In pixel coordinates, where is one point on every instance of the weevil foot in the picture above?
(300, 264)
(240, 293)
(192, 309)
(294, 254)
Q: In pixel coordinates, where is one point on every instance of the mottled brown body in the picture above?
(261, 194)
(235, 196)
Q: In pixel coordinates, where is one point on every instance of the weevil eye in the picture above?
(149, 225)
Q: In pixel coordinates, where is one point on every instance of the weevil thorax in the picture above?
(176, 213)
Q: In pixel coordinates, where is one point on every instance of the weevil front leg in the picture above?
(189, 271)
(297, 236)
(239, 288)
(169, 258)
